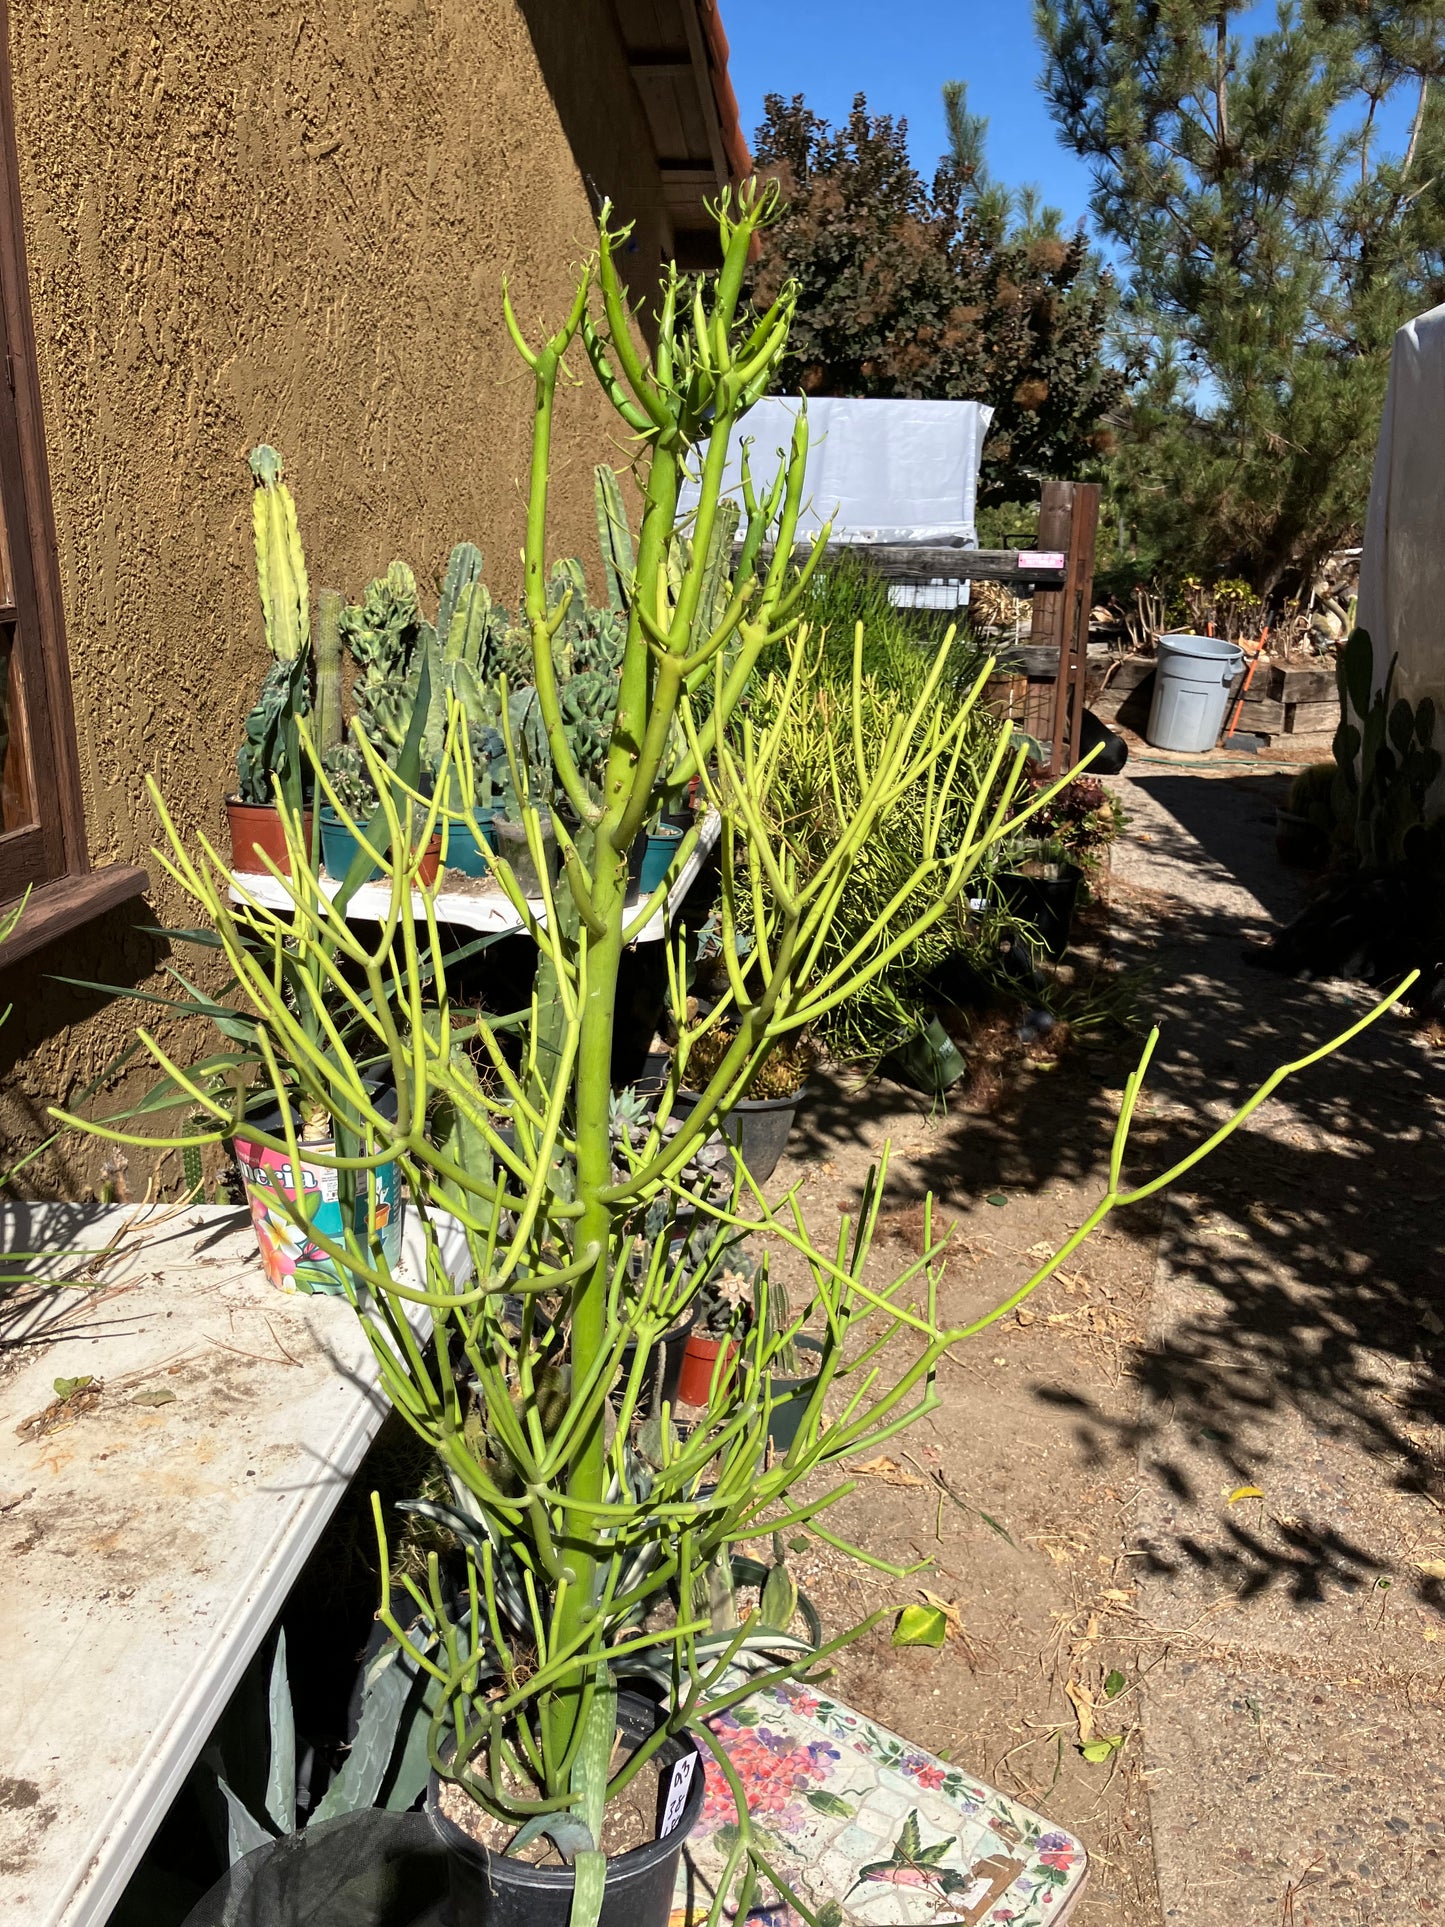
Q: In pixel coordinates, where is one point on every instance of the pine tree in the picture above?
(962, 291)
(1274, 245)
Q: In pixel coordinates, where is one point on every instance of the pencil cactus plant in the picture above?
(589, 1525)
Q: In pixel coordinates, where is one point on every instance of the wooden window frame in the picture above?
(50, 858)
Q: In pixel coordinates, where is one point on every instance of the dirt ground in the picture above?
(1210, 1451)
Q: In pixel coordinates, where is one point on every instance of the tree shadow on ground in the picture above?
(1304, 1255)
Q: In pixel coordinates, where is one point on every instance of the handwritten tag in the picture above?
(677, 1792)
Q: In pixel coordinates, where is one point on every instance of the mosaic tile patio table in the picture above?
(846, 1811)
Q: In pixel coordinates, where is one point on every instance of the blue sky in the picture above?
(900, 52)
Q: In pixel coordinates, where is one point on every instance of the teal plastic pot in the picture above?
(653, 854)
(339, 848)
(462, 852)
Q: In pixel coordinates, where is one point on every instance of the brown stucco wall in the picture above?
(257, 222)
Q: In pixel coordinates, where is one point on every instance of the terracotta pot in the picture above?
(694, 1381)
(257, 826)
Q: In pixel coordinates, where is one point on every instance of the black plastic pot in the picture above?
(488, 1890)
(790, 1401)
(1047, 903)
(670, 1348)
(759, 1126)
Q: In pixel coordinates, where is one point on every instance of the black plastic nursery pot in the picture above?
(489, 1890)
(759, 1126)
(669, 1350)
(1046, 902)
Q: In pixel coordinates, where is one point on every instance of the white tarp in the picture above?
(1402, 569)
(880, 471)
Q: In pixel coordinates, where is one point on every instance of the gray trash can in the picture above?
(1191, 691)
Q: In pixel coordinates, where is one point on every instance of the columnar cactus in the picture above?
(280, 562)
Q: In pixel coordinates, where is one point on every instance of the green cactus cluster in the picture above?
(1385, 760)
(474, 649)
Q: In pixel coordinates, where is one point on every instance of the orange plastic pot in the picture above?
(694, 1381)
(256, 832)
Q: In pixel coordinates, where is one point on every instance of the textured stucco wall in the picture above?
(252, 222)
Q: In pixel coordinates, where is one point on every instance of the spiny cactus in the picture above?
(1385, 760)
(381, 634)
(280, 562)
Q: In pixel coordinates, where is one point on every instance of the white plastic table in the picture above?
(147, 1544)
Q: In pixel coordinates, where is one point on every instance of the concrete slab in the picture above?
(151, 1525)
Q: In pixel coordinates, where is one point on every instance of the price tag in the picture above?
(1041, 559)
(677, 1792)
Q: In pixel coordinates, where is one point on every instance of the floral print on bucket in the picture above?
(846, 1811)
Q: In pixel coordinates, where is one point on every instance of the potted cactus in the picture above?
(592, 1535)
(269, 764)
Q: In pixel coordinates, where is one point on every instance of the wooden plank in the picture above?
(1307, 685)
(945, 561)
(55, 908)
(1083, 513)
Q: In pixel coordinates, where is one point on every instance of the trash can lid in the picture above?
(1211, 648)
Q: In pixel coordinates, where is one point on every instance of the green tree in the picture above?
(1275, 242)
(959, 291)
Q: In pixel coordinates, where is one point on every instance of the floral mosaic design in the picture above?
(847, 1812)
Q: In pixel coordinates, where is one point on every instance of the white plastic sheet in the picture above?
(881, 471)
(1402, 569)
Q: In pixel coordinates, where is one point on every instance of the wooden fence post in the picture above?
(1068, 520)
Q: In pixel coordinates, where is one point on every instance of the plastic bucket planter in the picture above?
(492, 1890)
(256, 832)
(1191, 691)
(339, 848)
(291, 1261)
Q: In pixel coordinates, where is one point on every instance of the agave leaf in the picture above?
(384, 1695)
(281, 1778)
(244, 1833)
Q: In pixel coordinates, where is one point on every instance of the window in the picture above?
(42, 822)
